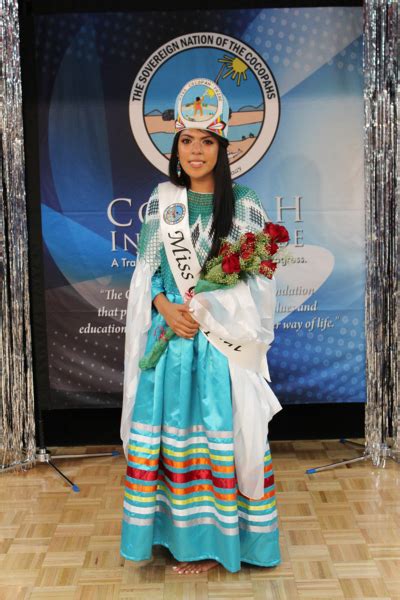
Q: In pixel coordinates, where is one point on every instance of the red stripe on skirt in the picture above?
(142, 474)
(228, 483)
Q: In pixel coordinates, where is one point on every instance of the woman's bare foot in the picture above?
(187, 568)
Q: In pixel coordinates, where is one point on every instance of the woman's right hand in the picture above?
(177, 316)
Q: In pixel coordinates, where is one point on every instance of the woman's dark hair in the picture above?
(224, 202)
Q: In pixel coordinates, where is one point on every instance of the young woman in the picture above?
(182, 486)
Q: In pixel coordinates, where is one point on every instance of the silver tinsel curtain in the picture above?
(381, 96)
(381, 52)
(17, 437)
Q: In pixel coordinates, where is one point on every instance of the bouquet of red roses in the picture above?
(252, 254)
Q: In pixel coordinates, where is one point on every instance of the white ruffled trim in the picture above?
(229, 313)
(253, 404)
(138, 323)
(245, 314)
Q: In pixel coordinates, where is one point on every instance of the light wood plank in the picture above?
(339, 535)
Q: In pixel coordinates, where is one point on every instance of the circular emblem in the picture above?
(212, 65)
(201, 104)
(174, 213)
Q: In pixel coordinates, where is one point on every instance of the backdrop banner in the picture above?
(107, 85)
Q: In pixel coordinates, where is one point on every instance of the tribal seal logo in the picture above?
(235, 68)
(201, 103)
(174, 213)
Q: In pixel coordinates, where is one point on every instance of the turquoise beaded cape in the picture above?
(249, 215)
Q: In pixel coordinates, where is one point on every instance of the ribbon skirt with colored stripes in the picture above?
(181, 490)
(185, 498)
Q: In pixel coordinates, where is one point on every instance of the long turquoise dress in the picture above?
(180, 489)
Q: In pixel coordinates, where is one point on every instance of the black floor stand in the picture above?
(378, 459)
(44, 456)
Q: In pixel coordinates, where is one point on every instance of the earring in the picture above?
(178, 169)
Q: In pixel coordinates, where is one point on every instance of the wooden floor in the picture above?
(340, 535)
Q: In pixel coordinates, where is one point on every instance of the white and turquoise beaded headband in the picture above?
(201, 105)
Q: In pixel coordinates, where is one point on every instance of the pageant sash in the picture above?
(185, 268)
(175, 233)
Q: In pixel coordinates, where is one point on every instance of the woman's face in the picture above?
(198, 153)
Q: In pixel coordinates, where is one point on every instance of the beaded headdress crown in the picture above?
(201, 105)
